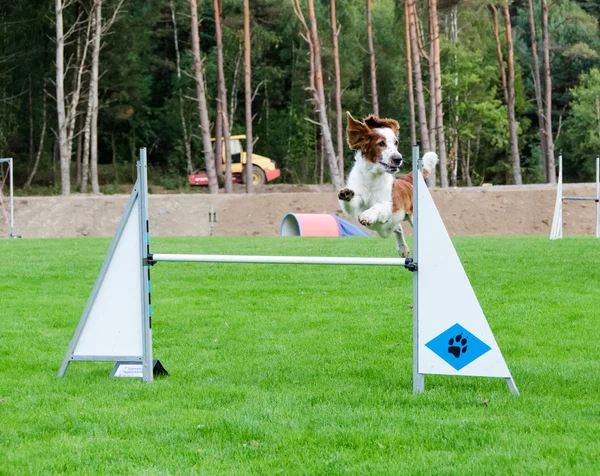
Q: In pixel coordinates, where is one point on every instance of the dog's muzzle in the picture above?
(397, 160)
(394, 166)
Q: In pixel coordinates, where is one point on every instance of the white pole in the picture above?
(12, 204)
(147, 368)
(418, 378)
(278, 259)
(598, 196)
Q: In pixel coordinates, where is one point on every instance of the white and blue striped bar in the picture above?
(279, 259)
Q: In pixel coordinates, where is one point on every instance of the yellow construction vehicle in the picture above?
(263, 169)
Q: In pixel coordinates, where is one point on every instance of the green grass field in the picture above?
(301, 369)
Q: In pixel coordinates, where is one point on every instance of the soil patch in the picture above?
(489, 210)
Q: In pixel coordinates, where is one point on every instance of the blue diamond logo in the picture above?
(457, 346)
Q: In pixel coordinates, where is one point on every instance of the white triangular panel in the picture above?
(446, 298)
(113, 326)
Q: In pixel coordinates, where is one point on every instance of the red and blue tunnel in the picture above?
(313, 224)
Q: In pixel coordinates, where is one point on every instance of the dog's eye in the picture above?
(381, 143)
(396, 143)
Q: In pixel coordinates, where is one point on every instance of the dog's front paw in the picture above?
(346, 194)
(367, 218)
(403, 251)
(370, 217)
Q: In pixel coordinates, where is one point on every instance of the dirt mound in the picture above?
(500, 210)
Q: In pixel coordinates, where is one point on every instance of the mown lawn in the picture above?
(301, 369)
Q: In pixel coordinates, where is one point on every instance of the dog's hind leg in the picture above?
(401, 246)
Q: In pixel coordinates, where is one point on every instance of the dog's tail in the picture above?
(430, 160)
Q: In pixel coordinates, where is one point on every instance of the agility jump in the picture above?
(451, 335)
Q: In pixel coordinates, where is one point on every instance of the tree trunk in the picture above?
(41, 145)
(411, 93)
(30, 94)
(94, 79)
(424, 130)
(453, 162)
(85, 159)
(222, 95)
(439, 122)
(186, 138)
(219, 141)
(338, 88)
(512, 120)
(537, 84)
(499, 56)
(548, 95)
(432, 179)
(65, 159)
(78, 155)
(248, 96)
(77, 84)
(209, 157)
(233, 102)
(508, 88)
(319, 96)
(466, 164)
(227, 148)
(372, 60)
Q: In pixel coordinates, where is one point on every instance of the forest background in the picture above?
(463, 78)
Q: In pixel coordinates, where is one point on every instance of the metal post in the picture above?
(12, 203)
(212, 218)
(418, 379)
(147, 368)
(598, 196)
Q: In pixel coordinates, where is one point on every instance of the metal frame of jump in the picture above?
(116, 324)
(11, 223)
(556, 231)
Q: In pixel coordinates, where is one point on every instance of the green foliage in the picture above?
(142, 98)
(582, 129)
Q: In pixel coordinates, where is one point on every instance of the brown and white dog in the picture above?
(379, 200)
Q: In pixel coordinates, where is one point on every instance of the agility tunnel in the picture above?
(318, 224)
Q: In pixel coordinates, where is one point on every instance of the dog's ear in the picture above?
(356, 133)
(373, 122)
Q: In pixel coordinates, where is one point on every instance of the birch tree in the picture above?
(439, 113)
(338, 86)
(316, 85)
(66, 105)
(94, 79)
(547, 95)
(222, 96)
(537, 86)
(209, 157)
(65, 159)
(186, 139)
(508, 85)
(424, 130)
(409, 75)
(374, 97)
(41, 143)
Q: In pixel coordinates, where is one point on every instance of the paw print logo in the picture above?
(457, 345)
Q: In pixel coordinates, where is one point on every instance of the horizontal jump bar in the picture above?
(279, 259)
(594, 199)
